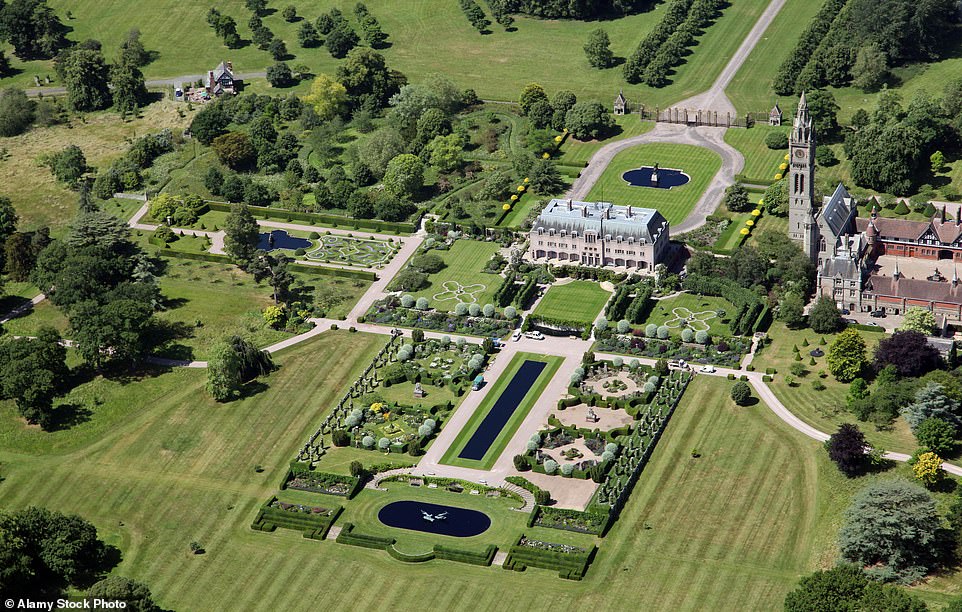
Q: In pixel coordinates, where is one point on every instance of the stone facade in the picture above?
(852, 254)
(599, 234)
(620, 107)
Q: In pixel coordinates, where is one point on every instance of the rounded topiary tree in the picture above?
(422, 303)
(601, 324)
(383, 443)
(776, 140)
(663, 332)
(510, 313)
(651, 330)
(702, 337)
(425, 431)
(367, 442)
(649, 387)
(624, 326)
(575, 379)
(474, 310)
(550, 466)
(407, 300)
(568, 469)
(488, 310)
(461, 309)
(741, 393)
(617, 362)
(607, 456)
(687, 335)
(431, 423)
(531, 445)
(611, 447)
(633, 364)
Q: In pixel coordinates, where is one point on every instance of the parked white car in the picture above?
(534, 335)
(516, 336)
(708, 369)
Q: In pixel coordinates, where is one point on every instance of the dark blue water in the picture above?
(457, 522)
(641, 177)
(282, 240)
(502, 410)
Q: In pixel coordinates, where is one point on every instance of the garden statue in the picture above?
(654, 176)
(591, 417)
(418, 391)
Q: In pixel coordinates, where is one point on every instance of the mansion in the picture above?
(875, 263)
(599, 234)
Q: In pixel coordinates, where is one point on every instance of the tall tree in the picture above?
(598, 49)
(240, 235)
(86, 77)
(893, 524)
(129, 88)
(846, 447)
(824, 317)
(909, 352)
(17, 111)
(135, 594)
(265, 266)
(846, 356)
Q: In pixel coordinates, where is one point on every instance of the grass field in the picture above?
(39, 199)
(761, 163)
(751, 88)
(661, 312)
(699, 163)
(507, 432)
(823, 409)
(464, 262)
(428, 37)
(577, 153)
(580, 301)
(736, 527)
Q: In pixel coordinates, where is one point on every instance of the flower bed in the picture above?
(724, 352)
(390, 312)
(313, 521)
(321, 482)
(569, 520)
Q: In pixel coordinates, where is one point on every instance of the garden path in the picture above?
(709, 137)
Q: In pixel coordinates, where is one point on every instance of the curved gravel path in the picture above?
(712, 138)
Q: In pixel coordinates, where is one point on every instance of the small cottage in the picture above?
(621, 104)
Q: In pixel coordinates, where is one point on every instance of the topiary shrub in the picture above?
(383, 444)
(488, 310)
(624, 326)
(340, 437)
(422, 303)
(550, 466)
(901, 208)
(461, 309)
(687, 335)
(567, 469)
(510, 313)
(776, 140)
(474, 310)
(741, 393)
(541, 497)
(367, 442)
(663, 332)
(407, 301)
(702, 337)
(651, 330)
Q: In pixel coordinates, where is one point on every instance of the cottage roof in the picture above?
(775, 110)
(620, 98)
(221, 70)
(895, 229)
(842, 266)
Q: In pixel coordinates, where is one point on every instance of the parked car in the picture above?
(534, 335)
(849, 321)
(878, 314)
(708, 369)
(516, 335)
(845, 311)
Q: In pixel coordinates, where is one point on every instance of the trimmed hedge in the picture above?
(312, 526)
(321, 218)
(448, 553)
(320, 270)
(571, 566)
(363, 540)
(595, 523)
(356, 484)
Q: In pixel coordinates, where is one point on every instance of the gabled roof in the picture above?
(915, 288)
(620, 98)
(775, 110)
(838, 211)
(221, 70)
(900, 229)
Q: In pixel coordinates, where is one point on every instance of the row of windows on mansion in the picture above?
(598, 234)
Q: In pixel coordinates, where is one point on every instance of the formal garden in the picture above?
(693, 312)
(578, 302)
(473, 320)
(352, 251)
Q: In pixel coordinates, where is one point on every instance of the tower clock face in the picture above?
(799, 153)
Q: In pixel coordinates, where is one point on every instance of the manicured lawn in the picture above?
(580, 301)
(208, 301)
(429, 36)
(464, 262)
(507, 432)
(761, 163)
(577, 153)
(702, 306)
(41, 315)
(699, 163)
(165, 465)
(822, 409)
(751, 89)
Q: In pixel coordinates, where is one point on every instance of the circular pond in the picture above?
(434, 518)
(279, 239)
(667, 177)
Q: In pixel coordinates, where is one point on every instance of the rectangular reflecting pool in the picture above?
(489, 429)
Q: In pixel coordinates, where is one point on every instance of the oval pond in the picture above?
(667, 178)
(434, 518)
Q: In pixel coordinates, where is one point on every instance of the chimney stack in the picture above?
(629, 211)
(584, 211)
(569, 203)
(230, 66)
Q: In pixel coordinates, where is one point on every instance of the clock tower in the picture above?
(801, 188)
